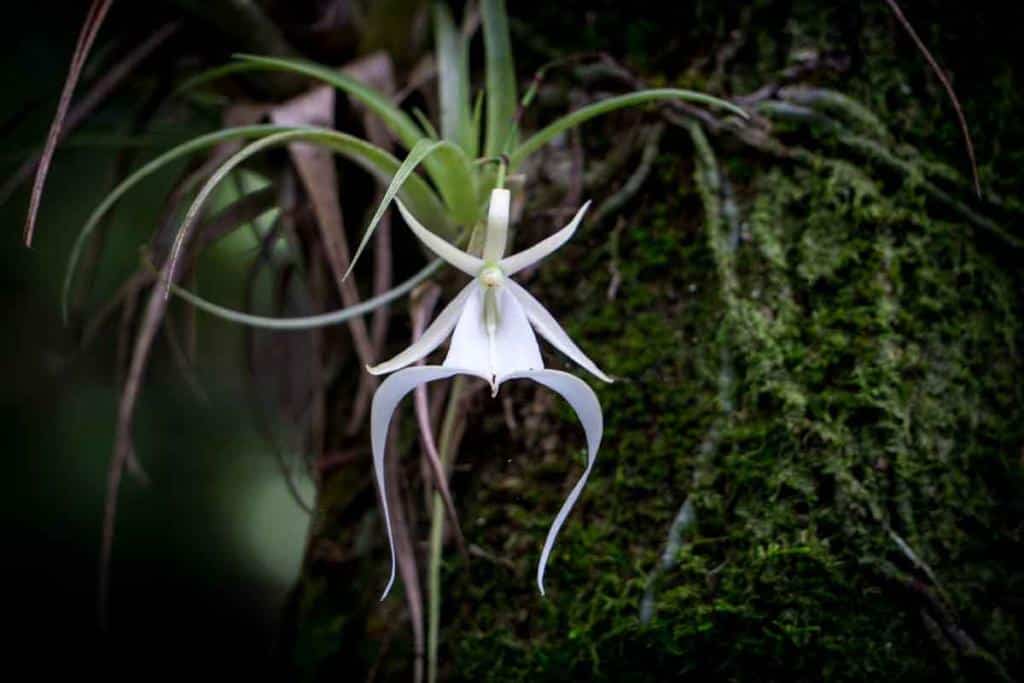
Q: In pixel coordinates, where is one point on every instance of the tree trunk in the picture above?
(816, 328)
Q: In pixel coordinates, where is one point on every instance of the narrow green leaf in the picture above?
(188, 148)
(400, 123)
(448, 170)
(210, 75)
(420, 151)
(314, 321)
(419, 193)
(573, 119)
(374, 159)
(425, 124)
(501, 79)
(451, 157)
(478, 111)
(453, 80)
(457, 182)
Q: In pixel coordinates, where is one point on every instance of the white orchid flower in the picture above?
(493, 319)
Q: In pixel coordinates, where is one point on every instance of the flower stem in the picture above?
(502, 171)
(447, 452)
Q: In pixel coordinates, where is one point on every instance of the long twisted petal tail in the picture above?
(431, 338)
(549, 328)
(385, 400)
(527, 257)
(582, 399)
(468, 264)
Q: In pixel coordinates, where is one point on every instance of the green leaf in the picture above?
(210, 75)
(192, 146)
(451, 172)
(314, 321)
(369, 156)
(400, 123)
(573, 119)
(457, 182)
(478, 109)
(419, 154)
(425, 124)
(420, 151)
(453, 79)
(501, 79)
(418, 193)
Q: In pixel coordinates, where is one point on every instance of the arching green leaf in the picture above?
(584, 114)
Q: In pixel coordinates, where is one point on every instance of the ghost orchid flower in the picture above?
(493, 319)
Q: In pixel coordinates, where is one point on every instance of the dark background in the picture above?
(206, 552)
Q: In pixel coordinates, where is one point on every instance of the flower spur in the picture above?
(493, 319)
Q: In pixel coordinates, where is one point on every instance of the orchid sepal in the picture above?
(491, 323)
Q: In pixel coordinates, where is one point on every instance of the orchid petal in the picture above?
(510, 348)
(431, 338)
(497, 224)
(583, 401)
(549, 328)
(527, 257)
(467, 263)
(385, 400)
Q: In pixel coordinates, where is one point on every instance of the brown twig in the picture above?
(124, 452)
(93, 20)
(423, 304)
(942, 614)
(941, 75)
(319, 177)
(95, 96)
(635, 181)
(181, 360)
(405, 554)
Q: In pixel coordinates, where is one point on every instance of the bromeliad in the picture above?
(493, 319)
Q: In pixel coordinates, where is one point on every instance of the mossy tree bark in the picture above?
(812, 463)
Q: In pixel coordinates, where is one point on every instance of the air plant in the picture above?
(455, 159)
(466, 159)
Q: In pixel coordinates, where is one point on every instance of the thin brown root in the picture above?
(423, 305)
(945, 84)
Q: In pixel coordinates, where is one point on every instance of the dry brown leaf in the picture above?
(90, 28)
(95, 96)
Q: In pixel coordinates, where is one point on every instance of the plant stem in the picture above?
(447, 450)
(502, 170)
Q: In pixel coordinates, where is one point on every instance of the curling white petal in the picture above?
(431, 338)
(513, 347)
(497, 224)
(527, 257)
(549, 328)
(385, 400)
(582, 399)
(467, 263)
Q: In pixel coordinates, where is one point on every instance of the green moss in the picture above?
(830, 377)
(875, 390)
(876, 404)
